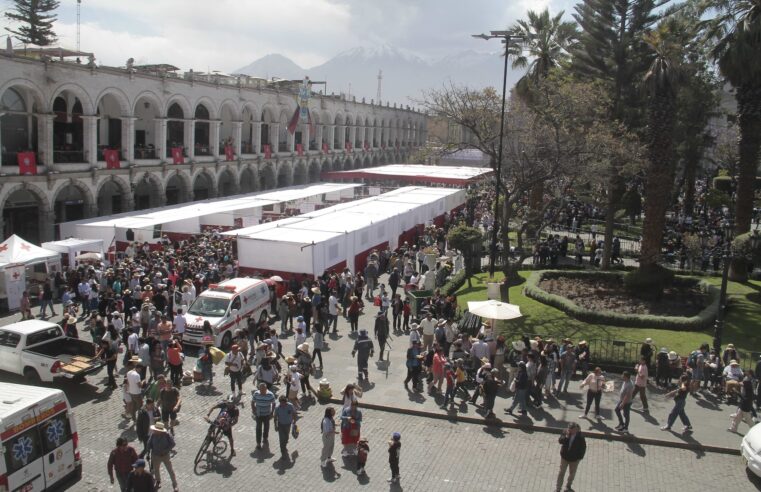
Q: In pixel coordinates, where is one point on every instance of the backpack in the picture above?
(693, 360)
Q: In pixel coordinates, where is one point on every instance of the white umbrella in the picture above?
(276, 278)
(492, 309)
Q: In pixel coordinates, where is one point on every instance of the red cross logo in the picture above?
(199, 319)
(112, 158)
(3, 247)
(26, 161)
(16, 275)
(25, 247)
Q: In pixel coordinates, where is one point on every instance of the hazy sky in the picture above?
(227, 34)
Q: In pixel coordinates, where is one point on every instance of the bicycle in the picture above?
(213, 439)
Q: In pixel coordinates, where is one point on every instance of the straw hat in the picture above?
(304, 347)
(519, 345)
(158, 427)
(733, 363)
(583, 342)
(648, 340)
(290, 360)
(134, 359)
(315, 290)
(353, 298)
(673, 355)
(730, 345)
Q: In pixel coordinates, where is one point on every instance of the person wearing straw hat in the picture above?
(306, 369)
(160, 444)
(647, 350)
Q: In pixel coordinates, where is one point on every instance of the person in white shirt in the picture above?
(179, 324)
(428, 326)
(134, 388)
(595, 383)
(333, 311)
(480, 349)
(414, 333)
(234, 363)
(294, 383)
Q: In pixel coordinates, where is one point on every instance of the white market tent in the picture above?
(342, 235)
(15, 255)
(73, 246)
(185, 220)
(415, 174)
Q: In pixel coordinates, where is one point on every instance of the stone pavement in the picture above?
(472, 455)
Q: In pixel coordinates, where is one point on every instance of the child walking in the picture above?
(363, 449)
(394, 445)
(451, 378)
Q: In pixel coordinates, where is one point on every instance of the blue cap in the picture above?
(139, 463)
(396, 436)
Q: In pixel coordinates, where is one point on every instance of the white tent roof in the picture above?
(15, 250)
(74, 244)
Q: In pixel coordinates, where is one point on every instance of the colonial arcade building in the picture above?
(108, 140)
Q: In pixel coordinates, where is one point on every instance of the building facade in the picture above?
(232, 133)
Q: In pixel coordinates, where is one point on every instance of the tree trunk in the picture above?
(690, 173)
(749, 111)
(610, 217)
(660, 179)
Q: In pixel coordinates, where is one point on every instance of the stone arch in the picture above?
(313, 173)
(72, 200)
(182, 102)
(267, 176)
(357, 164)
(228, 113)
(31, 89)
(300, 173)
(326, 166)
(148, 191)
(79, 92)
(227, 183)
(204, 185)
(119, 96)
(26, 212)
(147, 109)
(248, 180)
(177, 188)
(19, 122)
(374, 162)
(284, 175)
(269, 118)
(209, 105)
(284, 136)
(113, 196)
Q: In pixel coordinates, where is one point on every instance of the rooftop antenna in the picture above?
(380, 79)
(79, 6)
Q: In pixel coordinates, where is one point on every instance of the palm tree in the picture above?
(736, 31)
(547, 42)
(661, 82)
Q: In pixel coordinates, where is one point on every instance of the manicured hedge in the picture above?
(693, 323)
(455, 282)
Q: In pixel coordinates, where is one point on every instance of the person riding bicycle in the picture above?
(226, 419)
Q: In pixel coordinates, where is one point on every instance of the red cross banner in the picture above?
(112, 159)
(229, 153)
(267, 151)
(177, 157)
(367, 146)
(348, 146)
(27, 163)
(299, 149)
(325, 149)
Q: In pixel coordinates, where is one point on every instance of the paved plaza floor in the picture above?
(445, 453)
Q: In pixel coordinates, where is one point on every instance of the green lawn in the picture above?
(743, 326)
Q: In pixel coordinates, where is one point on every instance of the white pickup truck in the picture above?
(40, 352)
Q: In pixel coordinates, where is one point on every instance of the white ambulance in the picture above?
(227, 306)
(38, 435)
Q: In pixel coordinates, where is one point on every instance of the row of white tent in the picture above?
(342, 236)
(181, 221)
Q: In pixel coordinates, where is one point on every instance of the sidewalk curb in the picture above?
(699, 448)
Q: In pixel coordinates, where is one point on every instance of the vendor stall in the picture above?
(23, 266)
(73, 247)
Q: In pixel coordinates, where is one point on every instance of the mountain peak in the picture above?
(273, 65)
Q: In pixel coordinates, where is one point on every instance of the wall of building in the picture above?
(69, 113)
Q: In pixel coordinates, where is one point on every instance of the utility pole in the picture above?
(79, 7)
(380, 79)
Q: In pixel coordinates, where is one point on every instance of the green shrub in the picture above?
(455, 282)
(692, 323)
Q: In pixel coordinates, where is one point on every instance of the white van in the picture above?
(226, 306)
(39, 439)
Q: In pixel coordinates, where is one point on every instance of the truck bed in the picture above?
(77, 356)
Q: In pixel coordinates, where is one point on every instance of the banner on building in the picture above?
(112, 159)
(325, 148)
(229, 153)
(177, 157)
(267, 151)
(27, 163)
(299, 149)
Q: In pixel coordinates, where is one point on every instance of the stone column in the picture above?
(275, 137)
(47, 224)
(214, 137)
(190, 138)
(331, 136)
(160, 138)
(291, 141)
(128, 138)
(305, 138)
(352, 135)
(237, 136)
(256, 138)
(319, 131)
(90, 139)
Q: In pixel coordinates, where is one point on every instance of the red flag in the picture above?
(294, 121)
(325, 149)
(299, 149)
(27, 163)
(367, 146)
(348, 146)
(177, 157)
(267, 151)
(229, 153)
(112, 159)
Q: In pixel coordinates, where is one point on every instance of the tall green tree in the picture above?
(35, 20)
(612, 49)
(736, 30)
(547, 44)
(661, 83)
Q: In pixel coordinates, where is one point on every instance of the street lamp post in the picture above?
(506, 37)
(718, 328)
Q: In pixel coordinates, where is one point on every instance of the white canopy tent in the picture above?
(73, 246)
(342, 235)
(181, 221)
(16, 254)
